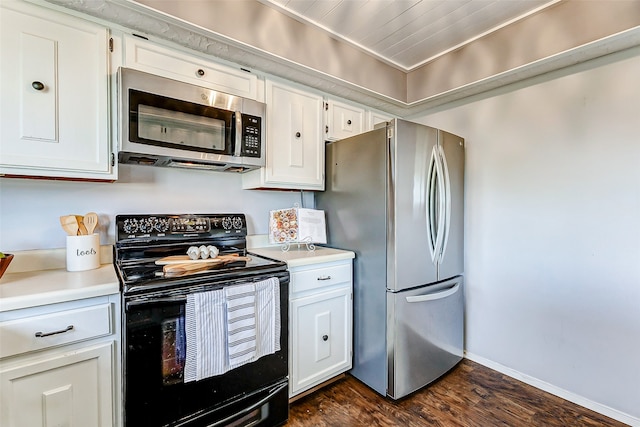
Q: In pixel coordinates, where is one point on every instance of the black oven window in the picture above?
(173, 350)
(172, 123)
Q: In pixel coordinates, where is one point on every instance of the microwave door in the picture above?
(172, 123)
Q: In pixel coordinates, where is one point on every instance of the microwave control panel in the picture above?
(251, 136)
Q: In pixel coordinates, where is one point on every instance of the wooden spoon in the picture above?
(82, 230)
(90, 221)
(69, 224)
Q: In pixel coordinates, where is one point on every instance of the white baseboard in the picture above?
(557, 391)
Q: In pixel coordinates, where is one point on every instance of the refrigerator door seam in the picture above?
(446, 203)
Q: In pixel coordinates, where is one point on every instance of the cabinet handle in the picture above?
(200, 72)
(348, 122)
(47, 334)
(37, 85)
(298, 134)
(324, 278)
(325, 337)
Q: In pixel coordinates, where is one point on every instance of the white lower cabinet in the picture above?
(64, 389)
(320, 327)
(63, 367)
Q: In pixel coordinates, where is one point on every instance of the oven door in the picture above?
(153, 363)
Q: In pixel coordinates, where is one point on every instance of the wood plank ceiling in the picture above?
(407, 33)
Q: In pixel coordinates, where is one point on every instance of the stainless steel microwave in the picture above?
(164, 122)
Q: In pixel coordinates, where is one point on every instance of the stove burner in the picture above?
(144, 239)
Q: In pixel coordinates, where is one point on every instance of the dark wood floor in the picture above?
(469, 395)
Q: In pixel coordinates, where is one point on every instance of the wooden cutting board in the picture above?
(182, 264)
(187, 268)
(184, 259)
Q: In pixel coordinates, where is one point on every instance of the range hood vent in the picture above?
(172, 162)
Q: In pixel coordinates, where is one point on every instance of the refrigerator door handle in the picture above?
(440, 204)
(431, 202)
(436, 295)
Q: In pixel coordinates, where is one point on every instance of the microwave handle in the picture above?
(238, 134)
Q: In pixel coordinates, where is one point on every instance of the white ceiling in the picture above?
(407, 33)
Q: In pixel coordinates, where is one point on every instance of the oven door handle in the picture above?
(245, 411)
(166, 300)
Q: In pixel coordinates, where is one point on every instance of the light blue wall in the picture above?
(553, 231)
(30, 209)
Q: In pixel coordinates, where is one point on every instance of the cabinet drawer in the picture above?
(54, 329)
(320, 277)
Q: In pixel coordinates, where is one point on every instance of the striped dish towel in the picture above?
(268, 315)
(241, 323)
(205, 334)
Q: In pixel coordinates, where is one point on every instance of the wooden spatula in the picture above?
(69, 224)
(90, 221)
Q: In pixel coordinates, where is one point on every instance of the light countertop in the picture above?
(37, 278)
(297, 256)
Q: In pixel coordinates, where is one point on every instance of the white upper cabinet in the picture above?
(342, 120)
(294, 144)
(375, 117)
(188, 67)
(55, 95)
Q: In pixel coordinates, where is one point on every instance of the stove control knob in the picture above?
(146, 225)
(237, 222)
(226, 223)
(130, 225)
(162, 225)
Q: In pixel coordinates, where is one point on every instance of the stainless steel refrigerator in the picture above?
(394, 196)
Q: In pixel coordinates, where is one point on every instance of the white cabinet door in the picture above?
(72, 388)
(320, 338)
(153, 58)
(374, 117)
(294, 146)
(55, 95)
(343, 120)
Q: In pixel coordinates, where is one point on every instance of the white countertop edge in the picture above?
(295, 257)
(54, 297)
(34, 288)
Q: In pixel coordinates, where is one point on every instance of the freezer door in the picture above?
(425, 335)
